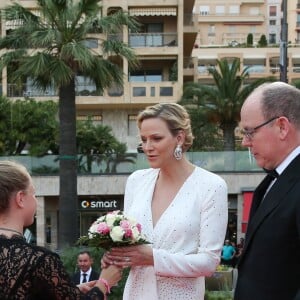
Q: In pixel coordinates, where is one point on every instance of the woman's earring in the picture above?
(178, 152)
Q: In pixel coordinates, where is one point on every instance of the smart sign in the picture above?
(105, 204)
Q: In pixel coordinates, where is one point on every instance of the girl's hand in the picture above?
(85, 287)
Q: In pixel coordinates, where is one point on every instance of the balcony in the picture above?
(231, 18)
(153, 92)
(252, 1)
(30, 91)
(153, 40)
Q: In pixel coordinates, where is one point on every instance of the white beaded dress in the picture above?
(187, 239)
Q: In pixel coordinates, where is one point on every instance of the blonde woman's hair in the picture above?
(13, 178)
(175, 116)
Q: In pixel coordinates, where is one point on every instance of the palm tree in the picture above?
(50, 47)
(221, 103)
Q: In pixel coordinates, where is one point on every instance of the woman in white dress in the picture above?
(182, 209)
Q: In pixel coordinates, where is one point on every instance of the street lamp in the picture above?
(283, 42)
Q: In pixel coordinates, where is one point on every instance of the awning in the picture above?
(156, 11)
(247, 197)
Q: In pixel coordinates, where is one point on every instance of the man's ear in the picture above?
(284, 127)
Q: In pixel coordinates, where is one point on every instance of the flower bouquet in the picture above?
(113, 230)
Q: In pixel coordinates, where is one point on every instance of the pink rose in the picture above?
(125, 225)
(128, 233)
(103, 228)
(139, 227)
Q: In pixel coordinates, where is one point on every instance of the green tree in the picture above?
(95, 143)
(34, 126)
(28, 125)
(5, 122)
(250, 40)
(59, 34)
(220, 103)
(207, 136)
(296, 83)
(119, 155)
(263, 41)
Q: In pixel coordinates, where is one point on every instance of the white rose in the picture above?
(93, 228)
(135, 234)
(117, 234)
(101, 219)
(110, 219)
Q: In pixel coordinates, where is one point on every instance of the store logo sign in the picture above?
(99, 204)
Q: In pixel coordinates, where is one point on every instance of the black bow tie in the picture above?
(272, 173)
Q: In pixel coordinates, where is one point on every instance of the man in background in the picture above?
(85, 273)
(228, 253)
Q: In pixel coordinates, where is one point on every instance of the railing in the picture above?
(235, 161)
(25, 90)
(152, 39)
(87, 90)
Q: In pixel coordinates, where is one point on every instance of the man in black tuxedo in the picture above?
(85, 273)
(269, 266)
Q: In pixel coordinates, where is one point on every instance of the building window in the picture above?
(211, 30)
(139, 91)
(254, 11)
(91, 43)
(132, 126)
(272, 22)
(272, 38)
(97, 119)
(204, 10)
(146, 76)
(273, 11)
(234, 9)
(166, 91)
(152, 91)
(232, 29)
(115, 90)
(220, 10)
(252, 29)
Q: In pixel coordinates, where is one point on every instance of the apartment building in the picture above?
(225, 26)
(166, 35)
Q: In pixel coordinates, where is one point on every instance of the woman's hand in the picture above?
(140, 255)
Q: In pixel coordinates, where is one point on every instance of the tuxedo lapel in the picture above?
(259, 194)
(272, 199)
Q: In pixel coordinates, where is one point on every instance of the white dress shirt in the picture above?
(88, 272)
